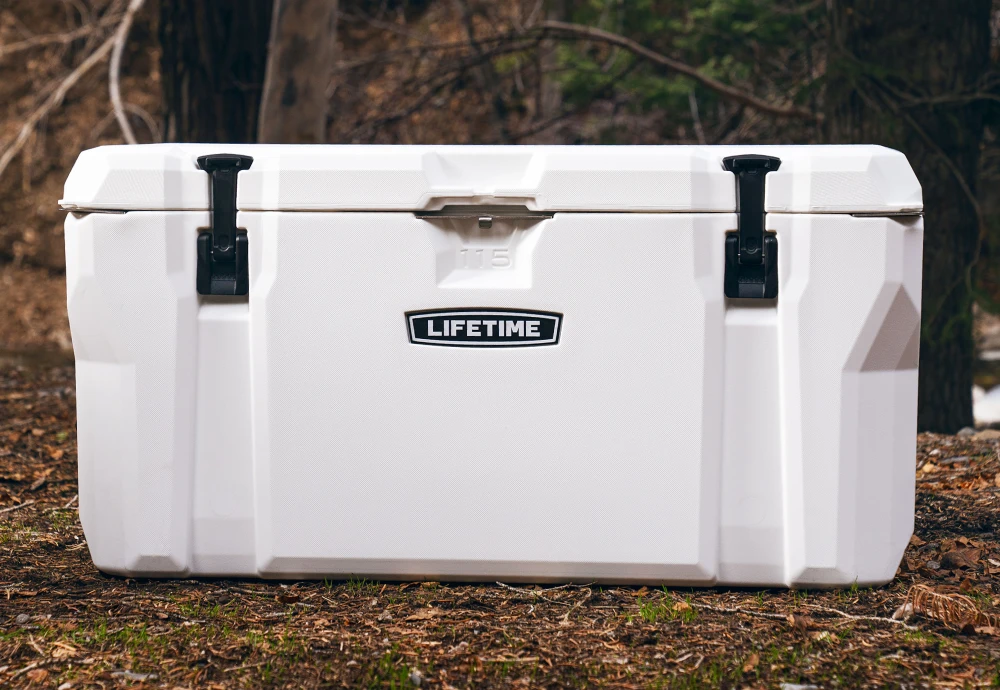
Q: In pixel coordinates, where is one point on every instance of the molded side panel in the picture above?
(133, 313)
(849, 320)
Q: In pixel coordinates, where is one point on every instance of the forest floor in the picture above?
(63, 624)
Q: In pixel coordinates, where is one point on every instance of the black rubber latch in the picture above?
(751, 254)
(223, 250)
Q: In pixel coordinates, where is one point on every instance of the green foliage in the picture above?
(389, 671)
(760, 46)
(666, 608)
(361, 587)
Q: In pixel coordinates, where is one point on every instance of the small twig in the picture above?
(243, 667)
(568, 585)
(538, 594)
(71, 502)
(250, 592)
(25, 669)
(114, 69)
(721, 609)
(565, 616)
(17, 507)
(784, 617)
(851, 616)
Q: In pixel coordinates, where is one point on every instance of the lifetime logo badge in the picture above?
(472, 327)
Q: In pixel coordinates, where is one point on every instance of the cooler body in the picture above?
(483, 363)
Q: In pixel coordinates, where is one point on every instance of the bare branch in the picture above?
(53, 102)
(114, 70)
(55, 39)
(147, 119)
(566, 30)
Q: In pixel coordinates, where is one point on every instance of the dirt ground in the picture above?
(33, 310)
(65, 625)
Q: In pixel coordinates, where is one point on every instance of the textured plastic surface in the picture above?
(812, 179)
(671, 436)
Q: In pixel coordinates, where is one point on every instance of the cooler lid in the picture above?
(810, 179)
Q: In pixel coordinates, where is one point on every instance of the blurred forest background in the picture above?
(919, 75)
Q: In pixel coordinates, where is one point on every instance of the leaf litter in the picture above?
(64, 624)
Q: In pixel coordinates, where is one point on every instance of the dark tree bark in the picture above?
(212, 67)
(303, 42)
(897, 75)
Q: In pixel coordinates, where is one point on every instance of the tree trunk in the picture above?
(295, 106)
(883, 56)
(212, 66)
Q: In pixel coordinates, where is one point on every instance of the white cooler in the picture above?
(497, 363)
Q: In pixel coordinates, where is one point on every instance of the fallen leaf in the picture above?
(38, 432)
(751, 662)
(57, 454)
(961, 558)
(682, 606)
(40, 480)
(955, 610)
(289, 598)
(62, 650)
(37, 675)
(800, 623)
(425, 614)
(916, 541)
(903, 612)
